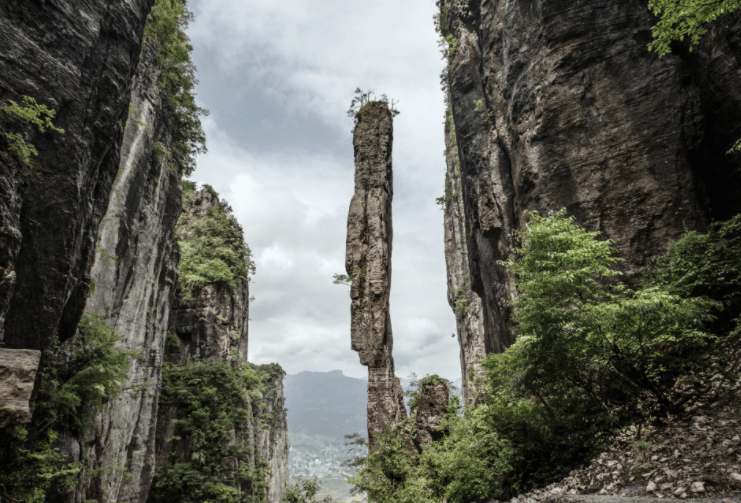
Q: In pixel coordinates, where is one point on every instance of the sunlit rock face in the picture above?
(134, 274)
(368, 262)
(212, 326)
(559, 104)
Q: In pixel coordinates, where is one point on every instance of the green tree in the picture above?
(680, 19)
(33, 113)
(166, 27)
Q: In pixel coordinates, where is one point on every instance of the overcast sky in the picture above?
(278, 78)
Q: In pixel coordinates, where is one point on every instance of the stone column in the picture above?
(368, 262)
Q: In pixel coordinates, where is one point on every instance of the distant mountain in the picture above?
(330, 404)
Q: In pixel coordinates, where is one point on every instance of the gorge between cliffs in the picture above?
(159, 302)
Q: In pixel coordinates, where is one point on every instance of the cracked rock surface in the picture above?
(368, 262)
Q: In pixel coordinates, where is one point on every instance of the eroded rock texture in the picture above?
(78, 58)
(368, 262)
(558, 104)
(466, 304)
(212, 325)
(135, 274)
(431, 408)
(17, 374)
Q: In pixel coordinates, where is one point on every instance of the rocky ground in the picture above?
(697, 456)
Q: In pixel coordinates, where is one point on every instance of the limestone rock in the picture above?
(433, 401)
(368, 262)
(135, 273)
(77, 58)
(466, 303)
(213, 326)
(578, 114)
(17, 374)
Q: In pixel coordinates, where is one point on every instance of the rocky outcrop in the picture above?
(17, 374)
(209, 323)
(559, 104)
(466, 304)
(78, 59)
(430, 410)
(134, 277)
(368, 264)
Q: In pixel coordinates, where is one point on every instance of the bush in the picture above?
(592, 356)
(211, 403)
(212, 245)
(69, 399)
(304, 491)
(166, 26)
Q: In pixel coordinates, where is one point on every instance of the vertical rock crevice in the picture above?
(368, 263)
(133, 283)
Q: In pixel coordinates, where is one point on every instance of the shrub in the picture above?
(591, 357)
(70, 398)
(166, 26)
(211, 404)
(212, 245)
(36, 115)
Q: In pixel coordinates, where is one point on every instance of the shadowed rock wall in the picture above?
(466, 304)
(77, 58)
(558, 104)
(368, 262)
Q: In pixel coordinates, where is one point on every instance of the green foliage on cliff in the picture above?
(32, 113)
(211, 243)
(166, 26)
(680, 19)
(71, 395)
(304, 491)
(213, 404)
(592, 356)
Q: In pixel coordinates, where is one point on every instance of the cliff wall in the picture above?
(466, 304)
(368, 264)
(208, 332)
(77, 58)
(559, 104)
(134, 277)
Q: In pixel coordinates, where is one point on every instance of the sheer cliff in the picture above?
(51, 208)
(209, 388)
(133, 285)
(560, 104)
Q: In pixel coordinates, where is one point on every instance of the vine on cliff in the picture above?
(166, 26)
(212, 405)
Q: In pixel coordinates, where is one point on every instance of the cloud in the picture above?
(278, 77)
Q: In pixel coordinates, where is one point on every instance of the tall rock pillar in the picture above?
(368, 263)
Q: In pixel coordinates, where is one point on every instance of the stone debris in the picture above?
(697, 456)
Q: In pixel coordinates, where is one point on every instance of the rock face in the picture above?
(433, 402)
(17, 374)
(466, 304)
(559, 104)
(212, 326)
(135, 274)
(368, 263)
(77, 58)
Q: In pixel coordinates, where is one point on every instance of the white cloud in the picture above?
(307, 57)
